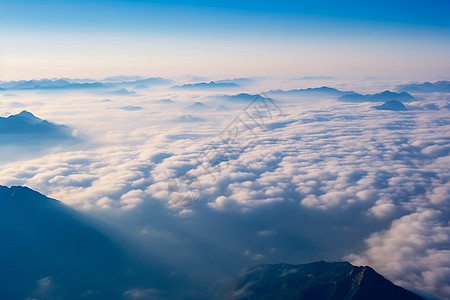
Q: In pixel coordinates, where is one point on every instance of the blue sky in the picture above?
(51, 12)
(99, 38)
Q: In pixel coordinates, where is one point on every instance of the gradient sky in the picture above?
(51, 38)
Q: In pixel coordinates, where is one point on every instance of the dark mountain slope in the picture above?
(25, 128)
(49, 251)
(316, 281)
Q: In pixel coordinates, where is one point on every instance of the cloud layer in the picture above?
(306, 178)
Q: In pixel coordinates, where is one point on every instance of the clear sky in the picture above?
(50, 38)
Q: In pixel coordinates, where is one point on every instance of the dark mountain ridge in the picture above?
(48, 84)
(243, 97)
(316, 281)
(67, 83)
(323, 91)
(380, 97)
(27, 128)
(50, 251)
(426, 87)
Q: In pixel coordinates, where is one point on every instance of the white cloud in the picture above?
(46, 288)
(327, 165)
(383, 208)
(266, 232)
(132, 199)
(141, 293)
(414, 252)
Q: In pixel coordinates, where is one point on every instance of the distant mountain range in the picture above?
(122, 92)
(81, 83)
(426, 87)
(238, 81)
(27, 128)
(206, 85)
(48, 84)
(242, 97)
(380, 97)
(316, 281)
(141, 82)
(323, 91)
(151, 81)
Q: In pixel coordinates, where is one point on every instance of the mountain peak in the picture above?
(442, 86)
(25, 113)
(27, 128)
(380, 97)
(20, 195)
(318, 280)
(391, 105)
(43, 239)
(28, 115)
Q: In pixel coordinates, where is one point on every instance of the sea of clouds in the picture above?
(288, 180)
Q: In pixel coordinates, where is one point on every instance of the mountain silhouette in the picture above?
(316, 281)
(380, 97)
(426, 87)
(66, 83)
(48, 84)
(197, 106)
(323, 91)
(49, 251)
(25, 128)
(243, 97)
(391, 105)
